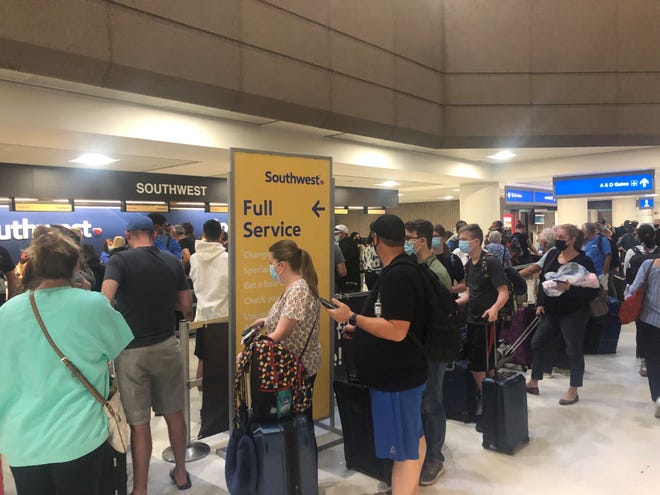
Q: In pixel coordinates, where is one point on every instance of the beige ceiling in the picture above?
(422, 174)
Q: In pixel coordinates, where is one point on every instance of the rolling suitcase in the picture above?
(504, 419)
(517, 337)
(114, 475)
(345, 369)
(357, 426)
(609, 335)
(286, 457)
(459, 393)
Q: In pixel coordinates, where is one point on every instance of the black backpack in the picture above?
(636, 261)
(441, 341)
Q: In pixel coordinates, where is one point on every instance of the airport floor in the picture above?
(605, 444)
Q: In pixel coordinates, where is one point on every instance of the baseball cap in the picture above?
(389, 227)
(139, 222)
(341, 228)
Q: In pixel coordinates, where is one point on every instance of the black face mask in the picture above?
(560, 244)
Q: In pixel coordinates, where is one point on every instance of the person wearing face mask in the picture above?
(419, 235)
(486, 294)
(647, 249)
(566, 315)
(293, 320)
(351, 254)
(451, 262)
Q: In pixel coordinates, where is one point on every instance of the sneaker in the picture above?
(431, 472)
(657, 407)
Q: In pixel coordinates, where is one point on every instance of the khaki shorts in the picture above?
(150, 377)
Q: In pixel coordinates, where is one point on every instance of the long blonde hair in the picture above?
(299, 260)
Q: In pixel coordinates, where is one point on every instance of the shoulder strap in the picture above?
(65, 361)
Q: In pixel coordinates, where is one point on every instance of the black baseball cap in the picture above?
(389, 227)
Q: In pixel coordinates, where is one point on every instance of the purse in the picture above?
(112, 407)
(599, 305)
(631, 307)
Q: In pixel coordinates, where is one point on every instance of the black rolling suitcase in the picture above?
(114, 475)
(286, 457)
(459, 393)
(345, 369)
(504, 419)
(357, 426)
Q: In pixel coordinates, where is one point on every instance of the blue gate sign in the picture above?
(614, 184)
(518, 196)
(645, 203)
(544, 198)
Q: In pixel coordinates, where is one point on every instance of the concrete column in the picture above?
(572, 210)
(480, 203)
(623, 209)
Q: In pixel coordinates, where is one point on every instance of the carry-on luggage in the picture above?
(504, 419)
(516, 337)
(459, 393)
(357, 426)
(286, 457)
(114, 475)
(345, 369)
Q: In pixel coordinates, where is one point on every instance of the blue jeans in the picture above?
(433, 412)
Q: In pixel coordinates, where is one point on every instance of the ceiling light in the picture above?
(456, 190)
(401, 194)
(93, 159)
(502, 155)
(446, 197)
(388, 183)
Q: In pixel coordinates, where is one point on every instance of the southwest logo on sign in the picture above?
(291, 178)
(22, 230)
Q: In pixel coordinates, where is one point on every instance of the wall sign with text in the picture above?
(529, 197)
(610, 184)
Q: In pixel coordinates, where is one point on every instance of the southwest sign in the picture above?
(275, 197)
(611, 184)
(529, 197)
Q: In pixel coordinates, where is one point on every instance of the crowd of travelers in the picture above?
(54, 438)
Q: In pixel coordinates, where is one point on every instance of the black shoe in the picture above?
(186, 485)
(480, 424)
(431, 472)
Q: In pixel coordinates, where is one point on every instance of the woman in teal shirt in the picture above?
(52, 432)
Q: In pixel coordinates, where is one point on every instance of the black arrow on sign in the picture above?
(316, 208)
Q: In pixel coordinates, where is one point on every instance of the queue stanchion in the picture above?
(195, 450)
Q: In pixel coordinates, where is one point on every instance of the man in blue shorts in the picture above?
(148, 285)
(391, 365)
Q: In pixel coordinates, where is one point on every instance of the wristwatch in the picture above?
(353, 319)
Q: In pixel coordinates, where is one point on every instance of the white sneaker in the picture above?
(657, 407)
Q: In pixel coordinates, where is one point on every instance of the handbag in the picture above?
(631, 307)
(599, 305)
(112, 407)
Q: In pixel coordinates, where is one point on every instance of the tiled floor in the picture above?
(605, 444)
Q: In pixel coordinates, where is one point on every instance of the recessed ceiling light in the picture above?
(456, 190)
(502, 155)
(388, 183)
(93, 159)
(446, 197)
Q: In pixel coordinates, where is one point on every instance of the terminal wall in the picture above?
(438, 73)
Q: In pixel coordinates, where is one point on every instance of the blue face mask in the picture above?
(408, 248)
(464, 246)
(337, 239)
(436, 242)
(273, 273)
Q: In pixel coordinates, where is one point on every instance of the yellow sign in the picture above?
(277, 197)
(144, 207)
(43, 207)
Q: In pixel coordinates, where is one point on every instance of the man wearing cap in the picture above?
(148, 286)
(391, 365)
(164, 241)
(351, 253)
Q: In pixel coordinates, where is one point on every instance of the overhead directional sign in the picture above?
(610, 184)
(529, 196)
(276, 197)
(645, 203)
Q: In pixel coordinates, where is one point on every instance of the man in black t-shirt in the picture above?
(486, 294)
(351, 254)
(148, 285)
(7, 271)
(390, 364)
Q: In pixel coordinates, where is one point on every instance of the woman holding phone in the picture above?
(293, 320)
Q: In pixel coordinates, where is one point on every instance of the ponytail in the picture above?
(309, 273)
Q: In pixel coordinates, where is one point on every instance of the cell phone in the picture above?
(327, 304)
(249, 333)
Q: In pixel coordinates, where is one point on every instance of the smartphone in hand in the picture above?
(250, 332)
(327, 304)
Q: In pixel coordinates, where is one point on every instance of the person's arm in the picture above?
(463, 300)
(493, 312)
(640, 278)
(109, 289)
(183, 303)
(458, 287)
(530, 271)
(12, 283)
(395, 330)
(532, 247)
(283, 328)
(341, 269)
(185, 257)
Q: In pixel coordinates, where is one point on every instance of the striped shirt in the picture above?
(651, 307)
